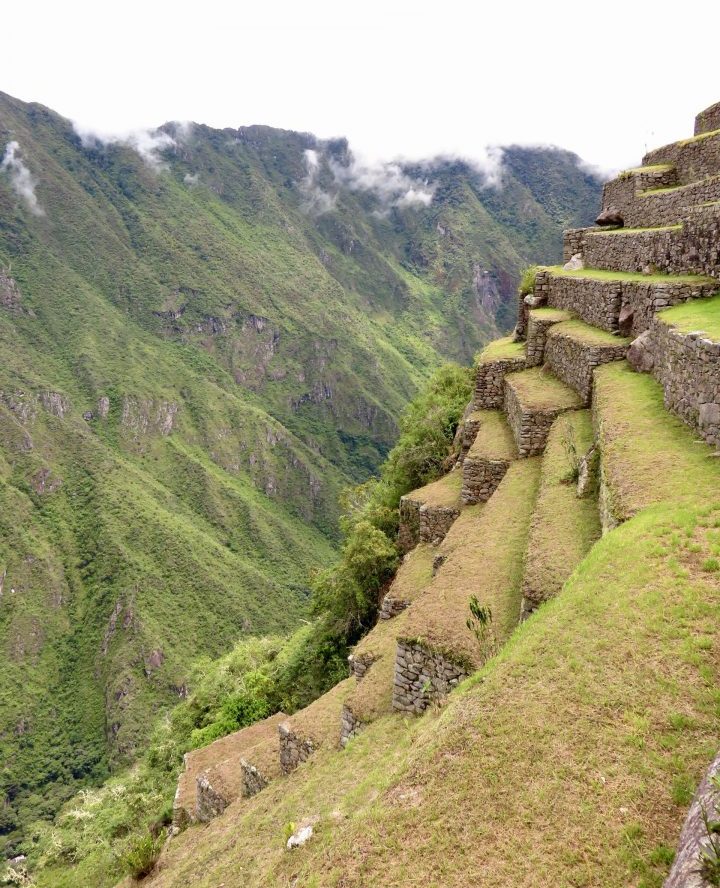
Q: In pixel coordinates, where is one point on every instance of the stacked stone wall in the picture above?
(687, 366)
(409, 527)
(252, 780)
(211, 801)
(620, 192)
(573, 361)
(435, 522)
(664, 207)
(602, 302)
(694, 159)
(489, 381)
(692, 249)
(538, 327)
(422, 676)
(360, 663)
(350, 726)
(573, 240)
(391, 607)
(708, 121)
(293, 749)
(529, 427)
(481, 478)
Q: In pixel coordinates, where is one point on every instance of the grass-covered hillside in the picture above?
(199, 348)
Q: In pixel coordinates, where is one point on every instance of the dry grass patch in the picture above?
(250, 743)
(494, 439)
(487, 563)
(539, 389)
(648, 455)
(652, 230)
(445, 492)
(320, 721)
(564, 526)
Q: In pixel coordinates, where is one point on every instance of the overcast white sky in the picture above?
(604, 79)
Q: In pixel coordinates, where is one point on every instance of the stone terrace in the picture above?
(488, 459)
(533, 399)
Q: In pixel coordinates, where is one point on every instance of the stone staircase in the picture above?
(534, 465)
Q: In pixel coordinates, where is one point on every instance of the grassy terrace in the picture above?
(569, 759)
(546, 313)
(443, 492)
(233, 747)
(487, 564)
(501, 350)
(321, 719)
(653, 168)
(372, 696)
(633, 277)
(494, 438)
(648, 455)
(698, 314)
(564, 527)
(538, 389)
(699, 138)
(586, 333)
(651, 230)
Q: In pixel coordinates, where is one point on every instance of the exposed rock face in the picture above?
(103, 407)
(686, 871)
(144, 416)
(9, 292)
(55, 403)
(422, 676)
(610, 216)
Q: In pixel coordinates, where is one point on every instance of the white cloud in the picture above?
(149, 144)
(21, 178)
(386, 180)
(191, 179)
(317, 201)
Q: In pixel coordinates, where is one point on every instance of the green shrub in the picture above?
(527, 280)
(141, 856)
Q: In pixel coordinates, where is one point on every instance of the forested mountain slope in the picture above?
(204, 336)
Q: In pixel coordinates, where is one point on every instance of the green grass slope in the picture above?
(568, 760)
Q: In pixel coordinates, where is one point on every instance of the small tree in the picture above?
(480, 623)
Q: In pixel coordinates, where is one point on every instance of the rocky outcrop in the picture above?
(9, 291)
(147, 416)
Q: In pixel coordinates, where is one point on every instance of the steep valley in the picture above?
(206, 335)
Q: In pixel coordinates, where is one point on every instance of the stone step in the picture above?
(708, 121)
(654, 206)
(566, 521)
(616, 301)
(214, 775)
(427, 513)
(533, 399)
(435, 647)
(539, 322)
(574, 349)
(488, 458)
(312, 727)
(694, 159)
(495, 361)
(690, 248)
